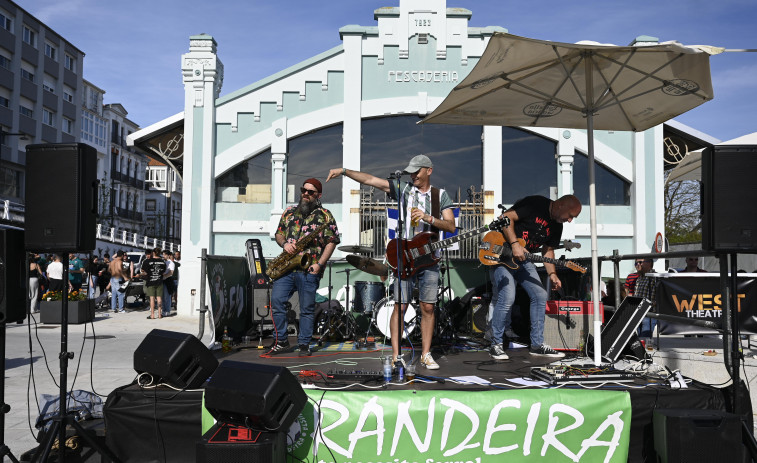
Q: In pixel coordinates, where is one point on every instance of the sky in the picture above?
(133, 49)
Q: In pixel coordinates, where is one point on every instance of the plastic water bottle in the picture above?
(388, 372)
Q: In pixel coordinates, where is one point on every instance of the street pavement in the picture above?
(103, 360)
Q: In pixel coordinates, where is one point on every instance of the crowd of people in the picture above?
(104, 276)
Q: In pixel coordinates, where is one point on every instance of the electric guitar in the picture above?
(494, 250)
(419, 252)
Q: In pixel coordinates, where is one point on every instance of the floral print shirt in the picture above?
(293, 226)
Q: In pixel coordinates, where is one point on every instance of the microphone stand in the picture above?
(399, 234)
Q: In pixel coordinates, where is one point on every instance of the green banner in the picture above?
(228, 279)
(555, 425)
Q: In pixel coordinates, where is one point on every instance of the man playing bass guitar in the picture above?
(425, 209)
(537, 221)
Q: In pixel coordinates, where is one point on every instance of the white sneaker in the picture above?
(428, 361)
(497, 352)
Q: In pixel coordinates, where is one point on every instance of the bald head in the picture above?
(566, 208)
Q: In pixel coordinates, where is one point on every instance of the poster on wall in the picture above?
(228, 279)
(699, 298)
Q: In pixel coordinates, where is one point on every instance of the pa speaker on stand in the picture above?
(61, 197)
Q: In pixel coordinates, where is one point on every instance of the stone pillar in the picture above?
(202, 73)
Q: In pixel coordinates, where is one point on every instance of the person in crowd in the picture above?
(646, 288)
(168, 284)
(75, 271)
(103, 275)
(55, 274)
(35, 275)
(297, 223)
(538, 222)
(152, 271)
(426, 208)
(93, 272)
(692, 265)
(642, 266)
(118, 276)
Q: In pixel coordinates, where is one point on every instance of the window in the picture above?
(48, 86)
(68, 96)
(5, 62)
(70, 63)
(610, 188)
(68, 126)
(536, 170)
(48, 117)
(6, 22)
(5, 102)
(28, 112)
(51, 51)
(29, 36)
(10, 182)
(150, 205)
(157, 178)
(27, 75)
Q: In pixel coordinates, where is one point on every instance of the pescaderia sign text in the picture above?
(556, 425)
(422, 76)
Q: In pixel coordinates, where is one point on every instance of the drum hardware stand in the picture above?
(349, 323)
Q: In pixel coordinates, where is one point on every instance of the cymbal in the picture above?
(355, 249)
(368, 265)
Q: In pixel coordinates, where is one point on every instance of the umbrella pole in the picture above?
(593, 213)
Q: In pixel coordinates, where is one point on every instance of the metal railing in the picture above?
(373, 222)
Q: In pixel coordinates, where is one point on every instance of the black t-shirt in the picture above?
(155, 268)
(535, 225)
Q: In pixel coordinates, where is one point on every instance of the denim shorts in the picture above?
(427, 282)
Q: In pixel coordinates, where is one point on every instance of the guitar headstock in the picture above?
(574, 266)
(499, 223)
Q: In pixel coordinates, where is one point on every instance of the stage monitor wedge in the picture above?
(178, 359)
(729, 192)
(61, 197)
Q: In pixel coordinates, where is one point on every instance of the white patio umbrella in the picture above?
(526, 82)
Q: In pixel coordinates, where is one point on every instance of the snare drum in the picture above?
(367, 294)
(382, 316)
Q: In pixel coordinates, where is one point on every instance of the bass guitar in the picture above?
(494, 250)
(419, 252)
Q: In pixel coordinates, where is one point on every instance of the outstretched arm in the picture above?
(360, 177)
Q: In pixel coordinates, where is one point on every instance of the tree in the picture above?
(683, 223)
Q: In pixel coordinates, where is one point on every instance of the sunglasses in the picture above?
(305, 191)
(638, 263)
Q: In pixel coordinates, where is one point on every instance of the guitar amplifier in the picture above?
(568, 323)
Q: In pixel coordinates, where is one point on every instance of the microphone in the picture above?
(399, 173)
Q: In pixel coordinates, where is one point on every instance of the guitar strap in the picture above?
(435, 212)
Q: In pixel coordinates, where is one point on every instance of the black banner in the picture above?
(228, 279)
(699, 298)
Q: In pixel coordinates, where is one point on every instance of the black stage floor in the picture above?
(346, 365)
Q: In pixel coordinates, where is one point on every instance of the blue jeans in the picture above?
(166, 301)
(504, 281)
(646, 328)
(91, 287)
(305, 284)
(116, 296)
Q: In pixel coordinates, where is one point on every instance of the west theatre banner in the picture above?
(228, 279)
(699, 298)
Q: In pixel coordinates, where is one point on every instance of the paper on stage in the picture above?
(523, 381)
(470, 380)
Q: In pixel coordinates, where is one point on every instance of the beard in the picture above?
(306, 207)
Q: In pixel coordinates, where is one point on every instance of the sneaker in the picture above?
(545, 351)
(511, 335)
(497, 352)
(305, 350)
(121, 311)
(280, 348)
(428, 361)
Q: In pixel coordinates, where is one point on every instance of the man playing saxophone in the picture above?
(293, 234)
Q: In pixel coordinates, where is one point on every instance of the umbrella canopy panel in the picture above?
(527, 82)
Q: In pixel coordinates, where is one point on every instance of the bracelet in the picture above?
(514, 242)
(551, 273)
(344, 171)
(432, 220)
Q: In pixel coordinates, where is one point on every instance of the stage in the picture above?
(497, 412)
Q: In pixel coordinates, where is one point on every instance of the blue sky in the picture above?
(133, 49)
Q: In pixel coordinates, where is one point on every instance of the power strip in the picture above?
(355, 375)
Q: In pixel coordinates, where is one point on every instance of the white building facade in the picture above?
(356, 105)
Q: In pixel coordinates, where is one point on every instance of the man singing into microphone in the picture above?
(426, 209)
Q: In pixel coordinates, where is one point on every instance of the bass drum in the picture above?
(382, 315)
(367, 294)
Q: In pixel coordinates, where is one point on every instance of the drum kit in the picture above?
(372, 304)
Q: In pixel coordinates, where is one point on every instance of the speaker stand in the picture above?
(5, 451)
(63, 419)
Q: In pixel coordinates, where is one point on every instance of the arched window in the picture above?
(528, 165)
(609, 188)
(244, 182)
(388, 144)
(312, 155)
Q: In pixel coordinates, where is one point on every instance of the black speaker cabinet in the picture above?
(230, 444)
(254, 395)
(688, 435)
(179, 359)
(61, 197)
(12, 276)
(729, 190)
(621, 329)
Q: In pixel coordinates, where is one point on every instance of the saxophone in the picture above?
(286, 262)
